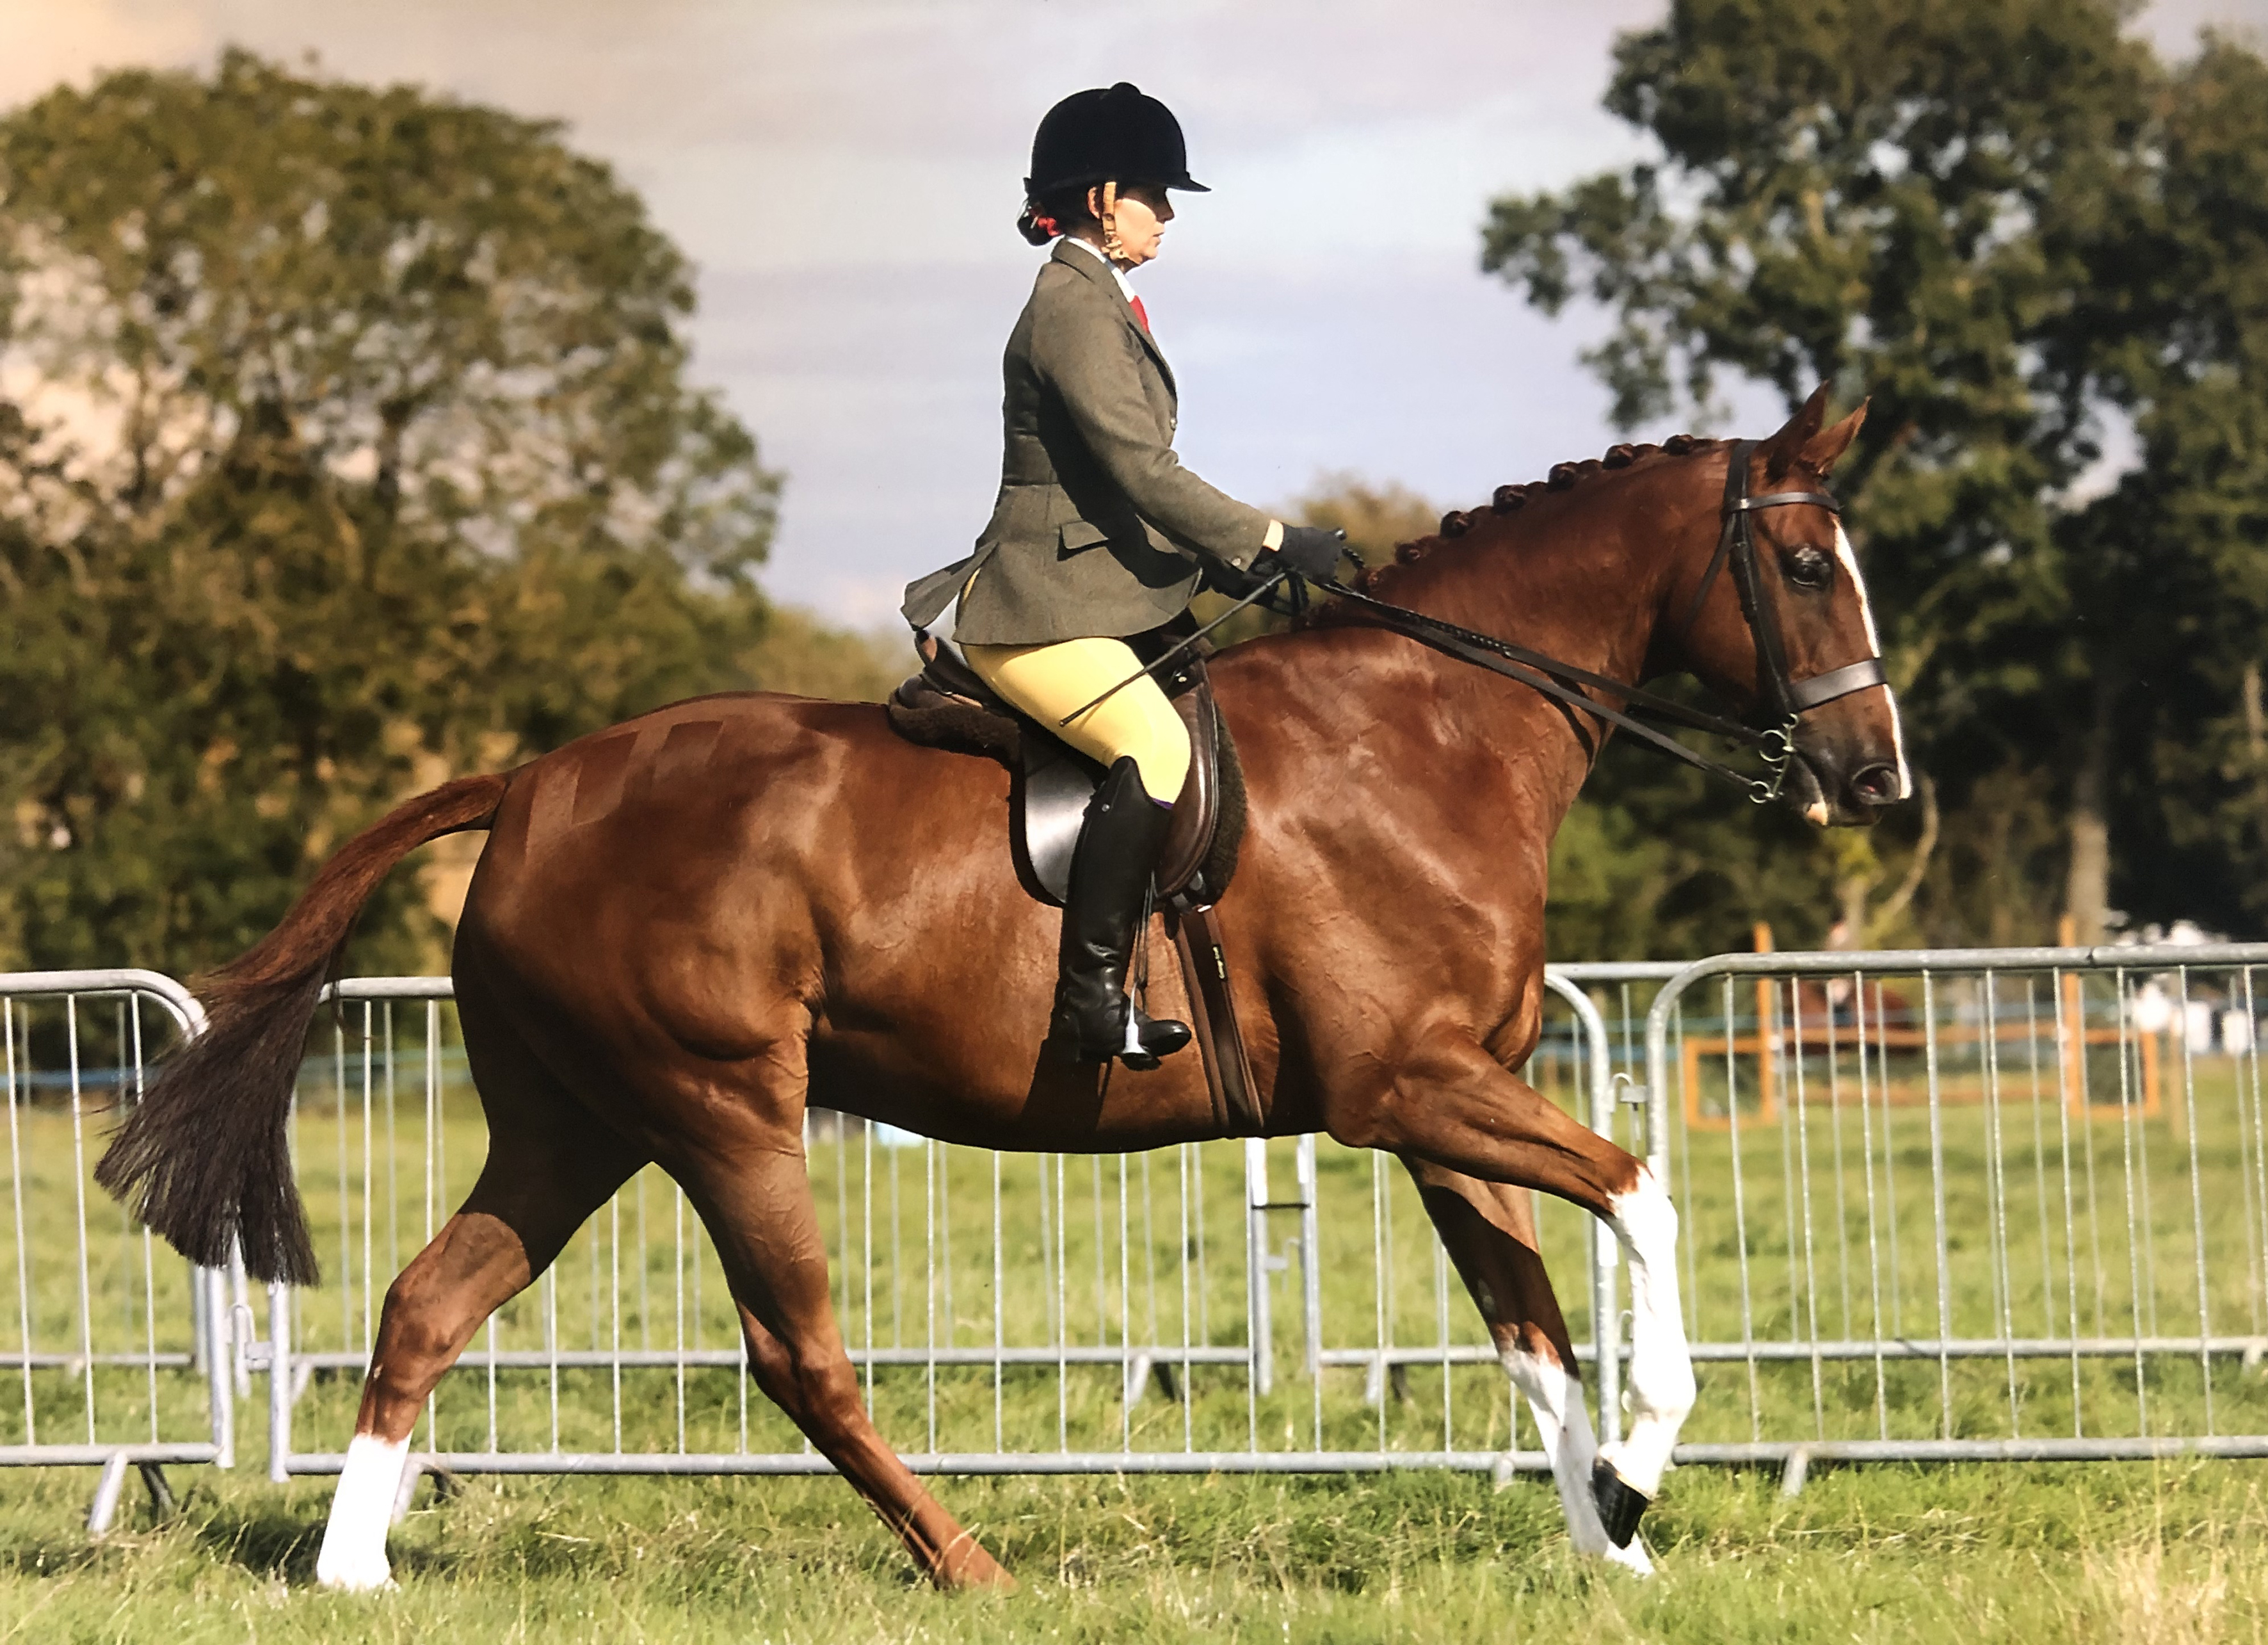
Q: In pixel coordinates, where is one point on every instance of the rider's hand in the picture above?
(1310, 550)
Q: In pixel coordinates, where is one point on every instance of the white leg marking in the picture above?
(411, 1475)
(1843, 553)
(1564, 1422)
(1661, 1368)
(353, 1556)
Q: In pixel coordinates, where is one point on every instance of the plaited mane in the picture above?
(1379, 581)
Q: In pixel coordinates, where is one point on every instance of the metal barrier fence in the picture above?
(1979, 1204)
(1176, 1312)
(1985, 1204)
(118, 1349)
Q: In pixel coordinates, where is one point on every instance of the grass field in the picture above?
(2125, 1552)
(2106, 1219)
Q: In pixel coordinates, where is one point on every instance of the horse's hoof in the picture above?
(1619, 1507)
(967, 1565)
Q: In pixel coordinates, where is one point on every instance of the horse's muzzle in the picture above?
(1827, 794)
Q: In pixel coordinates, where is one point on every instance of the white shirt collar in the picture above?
(1095, 252)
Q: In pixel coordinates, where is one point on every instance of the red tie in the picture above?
(1140, 313)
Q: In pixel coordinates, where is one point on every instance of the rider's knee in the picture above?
(1163, 754)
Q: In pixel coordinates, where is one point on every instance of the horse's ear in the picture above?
(1806, 441)
(1821, 452)
(1781, 451)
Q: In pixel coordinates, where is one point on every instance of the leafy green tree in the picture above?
(1377, 519)
(1997, 218)
(355, 446)
(2182, 276)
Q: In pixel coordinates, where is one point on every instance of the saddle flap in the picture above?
(1058, 781)
(1196, 812)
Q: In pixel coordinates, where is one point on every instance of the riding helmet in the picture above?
(1104, 136)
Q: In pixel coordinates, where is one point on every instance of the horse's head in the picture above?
(1780, 623)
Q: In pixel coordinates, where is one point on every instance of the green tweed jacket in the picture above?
(1098, 530)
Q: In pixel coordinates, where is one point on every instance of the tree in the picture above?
(1377, 519)
(2183, 270)
(359, 450)
(1968, 211)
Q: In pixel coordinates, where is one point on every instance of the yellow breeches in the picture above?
(1049, 682)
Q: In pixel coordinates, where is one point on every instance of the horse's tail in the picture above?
(204, 1157)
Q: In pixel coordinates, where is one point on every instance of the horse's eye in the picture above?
(1810, 567)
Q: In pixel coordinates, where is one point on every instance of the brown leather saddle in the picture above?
(945, 705)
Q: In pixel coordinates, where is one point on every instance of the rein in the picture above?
(1787, 699)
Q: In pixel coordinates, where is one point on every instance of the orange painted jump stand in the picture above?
(1767, 1038)
(2073, 1039)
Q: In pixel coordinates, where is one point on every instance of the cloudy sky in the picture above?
(846, 174)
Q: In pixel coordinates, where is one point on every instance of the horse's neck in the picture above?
(1584, 581)
(1585, 589)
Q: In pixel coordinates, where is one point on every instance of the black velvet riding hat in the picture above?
(1108, 135)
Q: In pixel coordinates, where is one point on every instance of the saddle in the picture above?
(946, 706)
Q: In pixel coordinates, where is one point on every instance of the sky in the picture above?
(846, 174)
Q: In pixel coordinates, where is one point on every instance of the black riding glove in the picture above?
(1310, 550)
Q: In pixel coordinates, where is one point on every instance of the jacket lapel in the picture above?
(1096, 270)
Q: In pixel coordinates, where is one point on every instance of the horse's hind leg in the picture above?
(1490, 1231)
(549, 1166)
(755, 1195)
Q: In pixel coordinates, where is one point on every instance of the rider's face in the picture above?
(1142, 214)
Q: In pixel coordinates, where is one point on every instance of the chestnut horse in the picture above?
(684, 929)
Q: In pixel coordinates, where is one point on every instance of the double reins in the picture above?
(1787, 699)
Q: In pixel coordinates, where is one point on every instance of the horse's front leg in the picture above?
(1490, 1231)
(1447, 1100)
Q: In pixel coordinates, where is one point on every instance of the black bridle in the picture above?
(1787, 700)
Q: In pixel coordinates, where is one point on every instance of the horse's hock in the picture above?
(1969, 1205)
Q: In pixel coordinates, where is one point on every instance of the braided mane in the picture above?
(1378, 581)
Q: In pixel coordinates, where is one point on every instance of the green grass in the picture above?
(2113, 1553)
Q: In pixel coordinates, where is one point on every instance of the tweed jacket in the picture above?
(1097, 529)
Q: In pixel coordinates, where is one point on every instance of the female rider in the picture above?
(1100, 533)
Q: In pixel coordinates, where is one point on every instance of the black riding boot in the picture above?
(1118, 847)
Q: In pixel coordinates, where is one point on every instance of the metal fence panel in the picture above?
(1988, 1204)
(1995, 1203)
(115, 1354)
(1982, 1204)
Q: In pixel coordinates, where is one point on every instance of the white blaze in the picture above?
(1874, 648)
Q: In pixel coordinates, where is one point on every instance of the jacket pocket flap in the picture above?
(1078, 534)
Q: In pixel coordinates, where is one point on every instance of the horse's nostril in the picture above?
(1875, 784)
